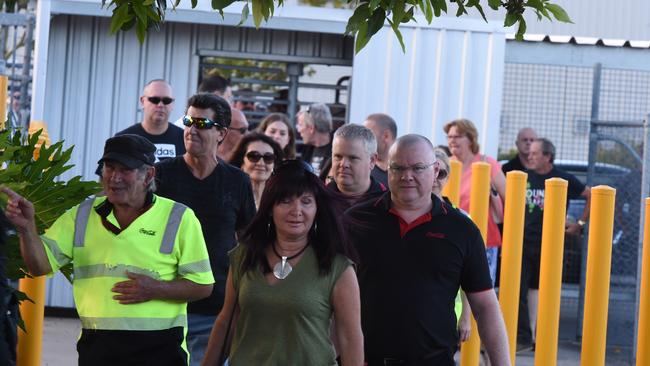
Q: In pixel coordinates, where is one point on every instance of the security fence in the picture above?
(595, 118)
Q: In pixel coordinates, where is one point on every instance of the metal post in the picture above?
(593, 147)
(27, 67)
(294, 70)
(645, 192)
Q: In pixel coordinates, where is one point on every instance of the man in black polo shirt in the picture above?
(415, 252)
(354, 152)
(221, 197)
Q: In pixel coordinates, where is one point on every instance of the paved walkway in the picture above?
(60, 336)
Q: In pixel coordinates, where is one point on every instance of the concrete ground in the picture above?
(60, 336)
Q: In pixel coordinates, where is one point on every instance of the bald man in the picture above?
(238, 128)
(525, 138)
(415, 253)
(157, 102)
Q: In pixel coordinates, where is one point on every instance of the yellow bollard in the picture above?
(30, 344)
(643, 336)
(513, 237)
(599, 264)
(451, 190)
(479, 204)
(550, 280)
(3, 101)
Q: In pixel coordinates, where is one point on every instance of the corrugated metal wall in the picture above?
(625, 19)
(94, 80)
(444, 74)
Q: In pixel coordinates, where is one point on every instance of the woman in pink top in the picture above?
(462, 138)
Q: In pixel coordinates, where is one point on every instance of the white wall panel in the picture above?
(445, 73)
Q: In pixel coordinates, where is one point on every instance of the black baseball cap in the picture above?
(132, 151)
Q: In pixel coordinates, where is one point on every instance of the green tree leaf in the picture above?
(558, 12)
(360, 15)
(522, 28)
(257, 12)
(362, 37)
(510, 20)
(244, 14)
(494, 4)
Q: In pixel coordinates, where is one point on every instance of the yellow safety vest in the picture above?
(165, 243)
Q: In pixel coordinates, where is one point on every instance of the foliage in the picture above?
(38, 181)
(506, 154)
(368, 18)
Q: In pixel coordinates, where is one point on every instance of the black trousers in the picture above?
(129, 347)
(531, 258)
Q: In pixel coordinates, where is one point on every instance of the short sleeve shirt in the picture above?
(535, 193)
(169, 144)
(409, 281)
(223, 203)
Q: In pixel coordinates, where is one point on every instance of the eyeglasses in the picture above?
(164, 100)
(255, 156)
(455, 137)
(442, 174)
(201, 123)
(293, 164)
(417, 169)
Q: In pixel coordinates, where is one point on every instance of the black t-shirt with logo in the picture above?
(168, 144)
(535, 192)
(409, 276)
(317, 156)
(224, 204)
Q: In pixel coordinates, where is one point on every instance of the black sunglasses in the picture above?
(290, 164)
(254, 157)
(164, 100)
(200, 123)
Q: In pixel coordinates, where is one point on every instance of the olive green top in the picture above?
(287, 323)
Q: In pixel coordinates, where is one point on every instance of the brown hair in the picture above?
(467, 128)
(289, 150)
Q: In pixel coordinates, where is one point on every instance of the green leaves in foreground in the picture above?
(38, 180)
(368, 18)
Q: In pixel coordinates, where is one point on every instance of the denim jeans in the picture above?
(198, 333)
(492, 255)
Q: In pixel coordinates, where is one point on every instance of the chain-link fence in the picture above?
(594, 117)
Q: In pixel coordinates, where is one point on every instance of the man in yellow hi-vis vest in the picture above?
(137, 258)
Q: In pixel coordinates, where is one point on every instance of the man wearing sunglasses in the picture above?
(220, 195)
(237, 129)
(157, 103)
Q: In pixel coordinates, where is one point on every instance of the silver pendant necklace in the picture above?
(283, 268)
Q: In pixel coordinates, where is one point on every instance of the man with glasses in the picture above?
(157, 103)
(220, 195)
(354, 152)
(237, 129)
(415, 252)
(525, 138)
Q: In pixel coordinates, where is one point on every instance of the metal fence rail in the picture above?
(595, 118)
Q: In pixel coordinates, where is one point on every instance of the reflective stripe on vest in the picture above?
(105, 270)
(173, 223)
(81, 221)
(133, 323)
(167, 243)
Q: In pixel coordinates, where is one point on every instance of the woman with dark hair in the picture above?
(278, 127)
(257, 155)
(289, 276)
